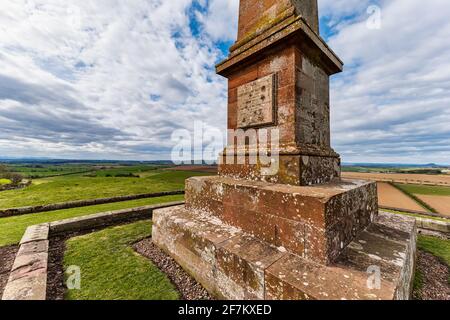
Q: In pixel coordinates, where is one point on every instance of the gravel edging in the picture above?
(185, 284)
(435, 276)
(7, 256)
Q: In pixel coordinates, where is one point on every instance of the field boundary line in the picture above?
(60, 175)
(429, 214)
(83, 203)
(416, 199)
(399, 181)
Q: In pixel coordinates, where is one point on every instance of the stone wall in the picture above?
(82, 203)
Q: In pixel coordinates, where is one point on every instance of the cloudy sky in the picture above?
(113, 79)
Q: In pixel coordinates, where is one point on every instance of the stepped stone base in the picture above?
(315, 222)
(232, 264)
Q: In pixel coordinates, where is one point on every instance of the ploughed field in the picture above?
(434, 199)
(440, 203)
(416, 192)
(389, 196)
(427, 179)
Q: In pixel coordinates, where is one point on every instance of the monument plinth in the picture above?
(298, 232)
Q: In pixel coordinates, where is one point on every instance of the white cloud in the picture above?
(391, 103)
(113, 79)
(133, 69)
(221, 19)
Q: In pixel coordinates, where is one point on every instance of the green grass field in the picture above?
(13, 228)
(40, 171)
(71, 188)
(130, 170)
(111, 270)
(425, 190)
(4, 181)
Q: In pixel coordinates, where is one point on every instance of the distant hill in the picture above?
(394, 165)
(77, 161)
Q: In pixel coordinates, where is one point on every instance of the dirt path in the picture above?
(440, 203)
(389, 196)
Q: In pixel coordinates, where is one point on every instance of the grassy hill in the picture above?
(81, 187)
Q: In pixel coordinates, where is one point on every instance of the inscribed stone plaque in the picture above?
(256, 103)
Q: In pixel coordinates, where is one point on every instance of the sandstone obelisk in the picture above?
(301, 232)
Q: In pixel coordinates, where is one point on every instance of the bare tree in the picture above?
(16, 178)
(3, 169)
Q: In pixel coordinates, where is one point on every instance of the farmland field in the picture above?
(440, 203)
(425, 190)
(12, 228)
(42, 171)
(443, 180)
(109, 183)
(389, 196)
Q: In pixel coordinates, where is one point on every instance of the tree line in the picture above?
(14, 177)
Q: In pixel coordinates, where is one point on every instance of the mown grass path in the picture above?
(111, 270)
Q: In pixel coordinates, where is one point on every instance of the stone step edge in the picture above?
(28, 278)
(176, 220)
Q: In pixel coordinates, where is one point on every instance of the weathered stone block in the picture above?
(33, 247)
(315, 222)
(28, 277)
(389, 250)
(32, 287)
(241, 262)
(293, 278)
(35, 233)
(234, 265)
(29, 262)
(192, 239)
(293, 170)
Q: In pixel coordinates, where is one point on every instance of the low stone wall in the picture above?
(8, 187)
(423, 213)
(433, 225)
(82, 203)
(28, 277)
(428, 223)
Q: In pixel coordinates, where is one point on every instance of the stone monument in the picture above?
(299, 232)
